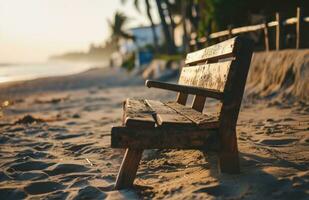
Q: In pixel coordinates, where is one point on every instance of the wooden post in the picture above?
(182, 98)
(234, 89)
(193, 44)
(198, 103)
(230, 31)
(266, 36)
(128, 169)
(186, 42)
(278, 29)
(298, 24)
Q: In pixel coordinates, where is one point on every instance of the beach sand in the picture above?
(55, 144)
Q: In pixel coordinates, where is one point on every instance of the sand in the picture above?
(55, 137)
(282, 75)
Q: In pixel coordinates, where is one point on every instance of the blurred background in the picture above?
(40, 38)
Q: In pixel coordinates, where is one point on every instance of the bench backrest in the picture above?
(222, 68)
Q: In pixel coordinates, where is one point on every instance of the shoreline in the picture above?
(55, 142)
(95, 77)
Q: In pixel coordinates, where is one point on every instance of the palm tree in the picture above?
(170, 17)
(117, 26)
(148, 10)
(169, 40)
(155, 38)
(181, 9)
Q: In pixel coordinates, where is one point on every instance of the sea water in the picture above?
(20, 72)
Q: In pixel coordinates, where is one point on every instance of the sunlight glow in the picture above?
(32, 30)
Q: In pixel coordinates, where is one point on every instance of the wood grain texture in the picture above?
(266, 37)
(278, 32)
(201, 120)
(299, 23)
(138, 114)
(128, 168)
(210, 76)
(186, 89)
(165, 138)
(181, 98)
(215, 52)
(184, 127)
(233, 93)
(198, 103)
(167, 117)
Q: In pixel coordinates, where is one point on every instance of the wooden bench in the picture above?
(219, 72)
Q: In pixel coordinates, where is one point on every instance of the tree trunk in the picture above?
(185, 41)
(172, 23)
(168, 38)
(153, 28)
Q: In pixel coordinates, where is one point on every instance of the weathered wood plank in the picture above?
(138, 114)
(182, 98)
(201, 120)
(221, 50)
(234, 90)
(167, 117)
(278, 32)
(266, 37)
(164, 138)
(198, 103)
(128, 168)
(299, 23)
(185, 89)
(211, 76)
(194, 130)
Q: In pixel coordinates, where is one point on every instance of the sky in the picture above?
(32, 30)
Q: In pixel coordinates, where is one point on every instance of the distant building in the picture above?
(143, 36)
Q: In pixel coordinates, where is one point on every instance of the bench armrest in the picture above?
(185, 89)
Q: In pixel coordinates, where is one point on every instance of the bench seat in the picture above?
(149, 124)
(217, 72)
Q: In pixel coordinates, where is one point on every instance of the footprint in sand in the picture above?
(22, 176)
(11, 194)
(72, 177)
(77, 147)
(4, 139)
(278, 142)
(225, 191)
(41, 146)
(71, 123)
(57, 129)
(33, 131)
(43, 187)
(89, 192)
(79, 182)
(57, 195)
(216, 190)
(30, 165)
(13, 129)
(63, 136)
(65, 169)
(4, 177)
(34, 154)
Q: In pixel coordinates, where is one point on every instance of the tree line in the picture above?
(201, 17)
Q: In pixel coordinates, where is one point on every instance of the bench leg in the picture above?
(228, 155)
(128, 168)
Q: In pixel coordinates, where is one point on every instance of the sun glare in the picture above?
(32, 30)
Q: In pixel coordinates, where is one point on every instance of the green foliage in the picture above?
(219, 14)
(129, 62)
(168, 57)
(117, 26)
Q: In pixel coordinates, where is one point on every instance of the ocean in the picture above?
(20, 72)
